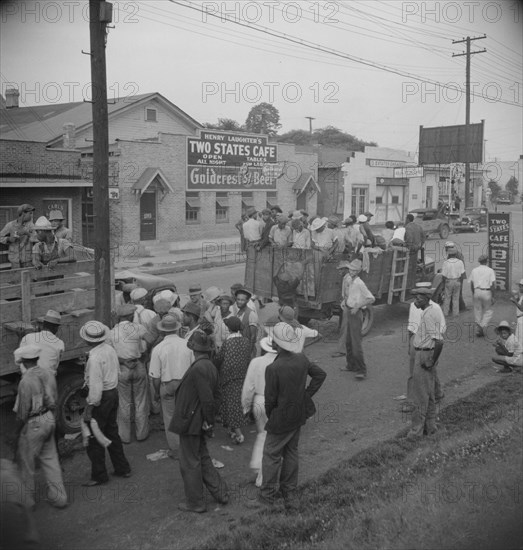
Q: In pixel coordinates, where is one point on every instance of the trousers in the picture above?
(423, 396)
(198, 470)
(280, 456)
(452, 295)
(483, 311)
(167, 390)
(105, 414)
(354, 348)
(260, 419)
(37, 441)
(342, 340)
(132, 390)
(438, 393)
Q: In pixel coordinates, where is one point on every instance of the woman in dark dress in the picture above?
(232, 362)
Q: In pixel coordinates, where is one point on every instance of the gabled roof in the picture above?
(148, 176)
(45, 123)
(301, 183)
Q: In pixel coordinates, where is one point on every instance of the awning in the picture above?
(302, 182)
(193, 202)
(148, 176)
(247, 202)
(28, 183)
(222, 202)
(392, 181)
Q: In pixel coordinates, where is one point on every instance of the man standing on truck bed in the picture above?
(20, 236)
(101, 382)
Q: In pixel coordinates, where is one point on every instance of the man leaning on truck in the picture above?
(19, 236)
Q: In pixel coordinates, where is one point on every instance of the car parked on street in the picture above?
(473, 219)
(433, 221)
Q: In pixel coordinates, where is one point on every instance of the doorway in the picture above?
(148, 215)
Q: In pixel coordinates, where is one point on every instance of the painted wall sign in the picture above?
(499, 248)
(378, 163)
(409, 172)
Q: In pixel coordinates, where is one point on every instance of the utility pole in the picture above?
(468, 53)
(311, 118)
(99, 15)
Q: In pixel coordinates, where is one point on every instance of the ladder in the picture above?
(399, 273)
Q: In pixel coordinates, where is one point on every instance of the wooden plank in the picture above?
(84, 280)
(26, 296)
(13, 276)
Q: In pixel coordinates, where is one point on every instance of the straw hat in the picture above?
(43, 224)
(94, 332)
(169, 324)
(317, 223)
(286, 337)
(53, 317)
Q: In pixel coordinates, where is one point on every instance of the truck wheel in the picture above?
(368, 319)
(444, 231)
(71, 404)
(476, 228)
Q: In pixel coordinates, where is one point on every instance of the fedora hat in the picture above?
(43, 224)
(297, 215)
(286, 337)
(165, 294)
(317, 223)
(266, 344)
(169, 324)
(53, 317)
(193, 309)
(356, 265)
(250, 211)
(243, 291)
(503, 325)
(195, 289)
(94, 332)
(199, 341)
(212, 293)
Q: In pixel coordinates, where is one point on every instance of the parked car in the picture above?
(472, 220)
(505, 197)
(433, 221)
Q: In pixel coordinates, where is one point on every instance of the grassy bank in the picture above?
(459, 489)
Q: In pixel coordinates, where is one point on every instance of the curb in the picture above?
(180, 267)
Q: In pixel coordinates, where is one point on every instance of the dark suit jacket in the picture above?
(287, 400)
(196, 398)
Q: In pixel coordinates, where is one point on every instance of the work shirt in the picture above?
(36, 393)
(170, 359)
(45, 253)
(304, 333)
(20, 251)
(414, 236)
(430, 329)
(64, 233)
(127, 340)
(101, 372)
(252, 230)
(253, 316)
(51, 348)
(513, 345)
(482, 277)
(254, 383)
(324, 239)
(301, 239)
(399, 233)
(358, 295)
(453, 268)
(281, 237)
(387, 235)
(415, 317)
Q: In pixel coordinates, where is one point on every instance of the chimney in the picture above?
(11, 98)
(69, 140)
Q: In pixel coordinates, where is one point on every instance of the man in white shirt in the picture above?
(453, 270)
(280, 234)
(51, 347)
(252, 228)
(127, 339)
(482, 279)
(357, 298)
(428, 344)
(170, 360)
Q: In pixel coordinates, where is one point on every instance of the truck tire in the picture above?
(71, 404)
(444, 231)
(368, 320)
(476, 227)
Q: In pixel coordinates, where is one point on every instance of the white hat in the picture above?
(286, 337)
(94, 331)
(449, 244)
(362, 218)
(53, 317)
(167, 295)
(212, 293)
(43, 224)
(138, 294)
(28, 352)
(266, 344)
(317, 223)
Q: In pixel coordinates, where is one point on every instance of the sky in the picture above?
(339, 63)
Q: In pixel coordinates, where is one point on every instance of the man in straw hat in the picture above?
(195, 407)
(280, 234)
(252, 228)
(482, 281)
(101, 384)
(355, 297)
(19, 235)
(49, 249)
(508, 348)
(322, 237)
(453, 271)
(428, 344)
(51, 347)
(127, 339)
(286, 390)
(34, 407)
(170, 360)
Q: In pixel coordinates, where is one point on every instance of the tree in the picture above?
(495, 189)
(329, 136)
(263, 118)
(512, 185)
(227, 124)
(298, 137)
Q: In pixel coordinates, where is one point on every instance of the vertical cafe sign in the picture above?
(222, 161)
(500, 248)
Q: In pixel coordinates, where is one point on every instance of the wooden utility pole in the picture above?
(99, 16)
(468, 53)
(311, 118)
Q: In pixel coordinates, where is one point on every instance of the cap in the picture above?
(25, 208)
(195, 289)
(94, 332)
(138, 294)
(56, 215)
(43, 224)
(125, 310)
(192, 308)
(28, 352)
(53, 316)
(362, 218)
(233, 324)
(169, 324)
(504, 325)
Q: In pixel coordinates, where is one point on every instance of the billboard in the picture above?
(223, 161)
(446, 144)
(499, 248)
